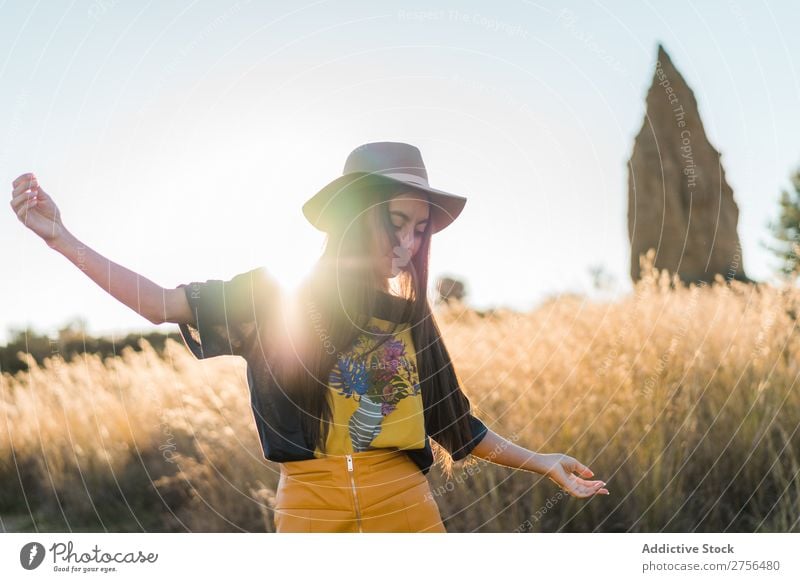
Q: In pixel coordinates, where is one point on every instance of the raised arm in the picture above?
(39, 213)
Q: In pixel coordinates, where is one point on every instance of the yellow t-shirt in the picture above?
(376, 399)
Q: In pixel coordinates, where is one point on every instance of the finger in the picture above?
(24, 184)
(23, 177)
(20, 201)
(25, 207)
(22, 213)
(596, 491)
(575, 488)
(581, 489)
(581, 469)
(590, 484)
(25, 187)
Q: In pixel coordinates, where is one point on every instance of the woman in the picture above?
(349, 378)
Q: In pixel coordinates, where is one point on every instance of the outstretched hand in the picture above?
(560, 469)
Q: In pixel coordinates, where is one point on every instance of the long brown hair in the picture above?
(333, 305)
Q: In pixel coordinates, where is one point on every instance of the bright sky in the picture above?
(178, 137)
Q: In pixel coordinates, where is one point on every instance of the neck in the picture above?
(381, 283)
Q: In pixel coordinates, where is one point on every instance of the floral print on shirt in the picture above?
(377, 381)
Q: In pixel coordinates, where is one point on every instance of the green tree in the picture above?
(787, 230)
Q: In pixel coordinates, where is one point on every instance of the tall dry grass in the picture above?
(683, 400)
(135, 443)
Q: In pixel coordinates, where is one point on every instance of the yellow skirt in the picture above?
(379, 490)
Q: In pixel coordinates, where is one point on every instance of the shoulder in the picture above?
(258, 278)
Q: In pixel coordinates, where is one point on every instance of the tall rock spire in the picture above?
(679, 202)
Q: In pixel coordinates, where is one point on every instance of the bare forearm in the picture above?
(137, 292)
(501, 451)
(558, 467)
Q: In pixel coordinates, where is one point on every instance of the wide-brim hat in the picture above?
(370, 164)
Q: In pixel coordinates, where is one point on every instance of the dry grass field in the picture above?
(684, 401)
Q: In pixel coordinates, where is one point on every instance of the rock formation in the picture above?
(679, 202)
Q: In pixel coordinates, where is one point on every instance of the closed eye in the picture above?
(396, 213)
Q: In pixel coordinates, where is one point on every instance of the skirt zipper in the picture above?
(355, 495)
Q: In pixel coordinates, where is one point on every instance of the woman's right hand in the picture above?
(35, 208)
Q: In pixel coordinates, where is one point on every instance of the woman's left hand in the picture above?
(560, 469)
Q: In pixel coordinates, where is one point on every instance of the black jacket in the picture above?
(228, 314)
